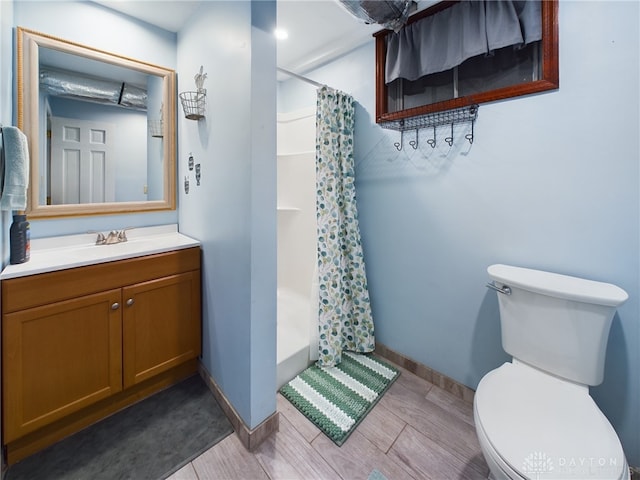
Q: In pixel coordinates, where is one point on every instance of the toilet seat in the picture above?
(540, 426)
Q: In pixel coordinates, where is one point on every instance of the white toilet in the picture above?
(534, 416)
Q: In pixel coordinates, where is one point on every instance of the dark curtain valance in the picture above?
(469, 28)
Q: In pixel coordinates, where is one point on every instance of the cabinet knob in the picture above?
(115, 306)
(130, 302)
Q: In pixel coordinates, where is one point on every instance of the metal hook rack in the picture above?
(452, 117)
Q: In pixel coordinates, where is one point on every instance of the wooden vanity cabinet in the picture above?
(78, 344)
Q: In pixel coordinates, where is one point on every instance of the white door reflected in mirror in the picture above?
(82, 162)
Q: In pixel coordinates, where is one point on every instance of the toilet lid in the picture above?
(546, 428)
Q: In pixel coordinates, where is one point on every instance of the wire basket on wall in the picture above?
(194, 103)
(155, 128)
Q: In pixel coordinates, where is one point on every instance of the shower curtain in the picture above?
(344, 310)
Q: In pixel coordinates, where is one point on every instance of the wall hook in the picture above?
(414, 143)
(432, 141)
(398, 145)
(186, 185)
(469, 136)
(449, 140)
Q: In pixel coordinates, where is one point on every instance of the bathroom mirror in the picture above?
(100, 127)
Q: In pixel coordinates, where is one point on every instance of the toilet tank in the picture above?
(557, 323)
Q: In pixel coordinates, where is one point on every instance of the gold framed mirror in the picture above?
(100, 127)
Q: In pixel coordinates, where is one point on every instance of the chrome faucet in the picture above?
(101, 240)
(114, 236)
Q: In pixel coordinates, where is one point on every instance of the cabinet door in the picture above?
(161, 325)
(59, 358)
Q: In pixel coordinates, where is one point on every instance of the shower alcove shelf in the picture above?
(287, 209)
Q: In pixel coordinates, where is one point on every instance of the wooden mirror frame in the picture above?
(549, 78)
(27, 61)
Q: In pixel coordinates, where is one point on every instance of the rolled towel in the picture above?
(15, 162)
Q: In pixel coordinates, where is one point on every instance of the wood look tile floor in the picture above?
(416, 431)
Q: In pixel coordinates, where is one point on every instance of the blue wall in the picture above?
(233, 211)
(550, 182)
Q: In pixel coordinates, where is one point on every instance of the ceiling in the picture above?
(170, 15)
(319, 30)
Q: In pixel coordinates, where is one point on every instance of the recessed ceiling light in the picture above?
(281, 34)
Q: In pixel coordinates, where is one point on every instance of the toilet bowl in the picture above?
(533, 425)
(534, 416)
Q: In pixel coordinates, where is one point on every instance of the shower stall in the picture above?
(297, 313)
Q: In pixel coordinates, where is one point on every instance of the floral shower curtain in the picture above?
(345, 321)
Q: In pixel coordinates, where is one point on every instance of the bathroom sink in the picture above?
(98, 252)
(135, 246)
(57, 253)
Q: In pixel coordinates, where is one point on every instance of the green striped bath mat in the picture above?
(336, 399)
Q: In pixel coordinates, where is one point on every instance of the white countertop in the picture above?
(70, 251)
